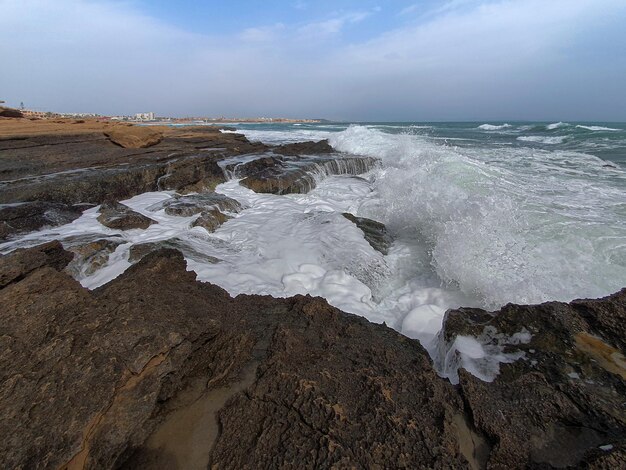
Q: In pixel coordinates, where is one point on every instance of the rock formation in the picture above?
(134, 137)
(156, 370)
(120, 217)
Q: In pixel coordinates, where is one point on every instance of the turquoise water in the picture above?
(605, 140)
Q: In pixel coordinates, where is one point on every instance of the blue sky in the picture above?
(345, 59)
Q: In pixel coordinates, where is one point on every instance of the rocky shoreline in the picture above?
(157, 370)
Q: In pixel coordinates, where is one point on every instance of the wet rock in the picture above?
(68, 163)
(134, 137)
(299, 175)
(252, 167)
(186, 206)
(22, 262)
(375, 232)
(141, 250)
(304, 148)
(120, 217)
(210, 220)
(89, 256)
(29, 216)
(564, 395)
(192, 174)
(103, 379)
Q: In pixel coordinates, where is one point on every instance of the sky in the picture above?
(429, 60)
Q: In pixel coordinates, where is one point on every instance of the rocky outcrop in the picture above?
(562, 401)
(134, 137)
(23, 262)
(120, 217)
(72, 165)
(28, 216)
(186, 206)
(375, 233)
(69, 167)
(210, 220)
(156, 370)
(95, 379)
(90, 254)
(10, 112)
(282, 175)
(211, 207)
(141, 250)
(304, 148)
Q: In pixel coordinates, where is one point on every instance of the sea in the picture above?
(481, 214)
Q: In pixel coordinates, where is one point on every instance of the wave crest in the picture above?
(492, 127)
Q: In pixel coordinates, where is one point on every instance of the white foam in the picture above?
(598, 128)
(507, 224)
(543, 139)
(492, 127)
(480, 356)
(556, 125)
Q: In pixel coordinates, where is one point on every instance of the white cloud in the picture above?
(333, 25)
(510, 58)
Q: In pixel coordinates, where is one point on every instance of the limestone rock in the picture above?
(210, 220)
(97, 379)
(186, 206)
(564, 398)
(90, 254)
(22, 262)
(120, 217)
(141, 250)
(134, 137)
(29, 216)
(304, 148)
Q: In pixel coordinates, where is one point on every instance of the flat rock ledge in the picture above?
(155, 370)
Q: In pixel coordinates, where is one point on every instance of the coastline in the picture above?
(347, 394)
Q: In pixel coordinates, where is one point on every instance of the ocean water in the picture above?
(482, 214)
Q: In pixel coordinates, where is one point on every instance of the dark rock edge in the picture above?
(95, 379)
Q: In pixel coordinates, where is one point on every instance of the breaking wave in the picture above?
(491, 127)
(509, 225)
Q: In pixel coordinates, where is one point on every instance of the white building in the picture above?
(144, 116)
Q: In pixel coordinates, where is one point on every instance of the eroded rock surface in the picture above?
(89, 377)
(134, 137)
(156, 370)
(120, 217)
(563, 399)
(287, 175)
(29, 216)
(186, 206)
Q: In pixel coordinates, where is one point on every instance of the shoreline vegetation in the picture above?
(155, 369)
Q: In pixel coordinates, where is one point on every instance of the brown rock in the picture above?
(210, 220)
(20, 263)
(120, 217)
(564, 398)
(89, 255)
(141, 250)
(10, 112)
(134, 373)
(298, 175)
(134, 137)
(29, 216)
(304, 148)
(186, 206)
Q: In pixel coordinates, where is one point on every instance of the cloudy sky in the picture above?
(341, 59)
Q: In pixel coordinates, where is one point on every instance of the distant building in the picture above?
(144, 116)
(37, 114)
